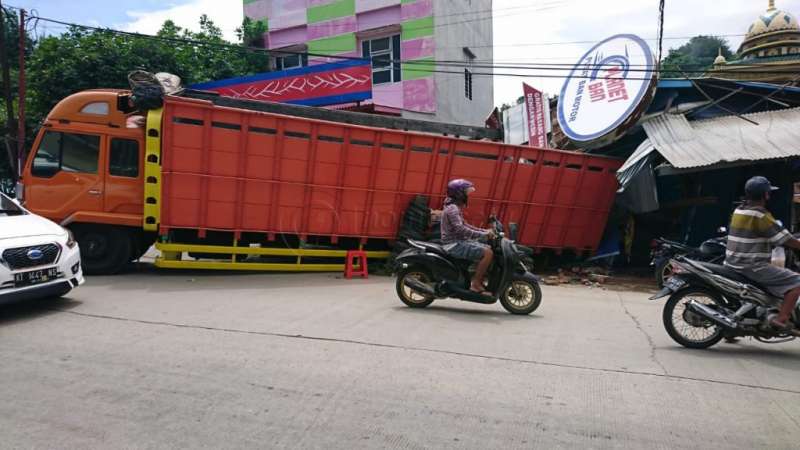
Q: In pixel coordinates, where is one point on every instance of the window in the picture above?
(469, 60)
(385, 55)
(291, 62)
(123, 159)
(96, 108)
(77, 153)
(468, 83)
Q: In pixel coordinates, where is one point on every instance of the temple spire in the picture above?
(771, 5)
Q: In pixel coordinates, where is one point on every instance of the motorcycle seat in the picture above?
(726, 272)
(429, 246)
(731, 274)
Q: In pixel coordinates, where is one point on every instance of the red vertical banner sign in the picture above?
(537, 121)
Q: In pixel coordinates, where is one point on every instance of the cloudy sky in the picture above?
(526, 31)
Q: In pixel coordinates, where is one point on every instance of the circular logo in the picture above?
(35, 254)
(606, 87)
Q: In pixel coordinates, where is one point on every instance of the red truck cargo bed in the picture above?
(238, 170)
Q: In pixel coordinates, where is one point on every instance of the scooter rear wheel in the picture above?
(410, 297)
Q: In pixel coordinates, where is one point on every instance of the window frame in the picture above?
(393, 52)
(302, 61)
(60, 167)
(110, 158)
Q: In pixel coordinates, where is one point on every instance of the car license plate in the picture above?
(35, 277)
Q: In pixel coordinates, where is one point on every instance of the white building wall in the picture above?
(459, 24)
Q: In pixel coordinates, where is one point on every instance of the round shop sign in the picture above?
(606, 88)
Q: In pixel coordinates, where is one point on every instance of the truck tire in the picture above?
(105, 250)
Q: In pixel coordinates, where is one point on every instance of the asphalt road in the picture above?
(194, 360)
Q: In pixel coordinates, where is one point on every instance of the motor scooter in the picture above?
(426, 272)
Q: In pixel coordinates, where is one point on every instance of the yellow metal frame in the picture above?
(152, 171)
(171, 254)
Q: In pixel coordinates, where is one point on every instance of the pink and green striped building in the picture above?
(404, 38)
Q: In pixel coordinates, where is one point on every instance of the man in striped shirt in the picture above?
(753, 234)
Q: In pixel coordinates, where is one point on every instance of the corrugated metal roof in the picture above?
(702, 143)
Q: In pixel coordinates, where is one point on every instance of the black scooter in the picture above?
(425, 272)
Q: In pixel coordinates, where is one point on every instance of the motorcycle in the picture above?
(664, 250)
(426, 272)
(708, 302)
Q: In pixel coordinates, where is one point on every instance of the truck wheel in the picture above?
(104, 250)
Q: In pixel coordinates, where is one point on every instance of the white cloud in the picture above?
(593, 20)
(226, 15)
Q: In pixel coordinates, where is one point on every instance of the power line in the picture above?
(424, 64)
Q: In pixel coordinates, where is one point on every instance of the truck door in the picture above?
(124, 184)
(65, 175)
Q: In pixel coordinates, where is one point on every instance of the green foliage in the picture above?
(694, 57)
(81, 59)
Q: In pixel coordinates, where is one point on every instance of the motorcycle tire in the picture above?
(510, 301)
(667, 317)
(662, 271)
(406, 294)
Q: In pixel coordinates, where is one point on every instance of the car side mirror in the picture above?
(513, 229)
(722, 230)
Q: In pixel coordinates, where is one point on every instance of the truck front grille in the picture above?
(25, 257)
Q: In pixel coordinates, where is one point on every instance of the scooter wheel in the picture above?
(410, 297)
(521, 297)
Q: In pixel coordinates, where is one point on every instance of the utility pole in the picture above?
(6, 69)
(21, 108)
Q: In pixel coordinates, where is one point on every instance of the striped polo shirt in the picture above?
(753, 234)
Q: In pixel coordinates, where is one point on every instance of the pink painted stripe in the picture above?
(379, 18)
(371, 5)
(419, 95)
(417, 48)
(288, 19)
(389, 94)
(333, 27)
(418, 9)
(279, 6)
(257, 10)
(292, 36)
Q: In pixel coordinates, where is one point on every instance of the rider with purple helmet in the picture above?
(461, 239)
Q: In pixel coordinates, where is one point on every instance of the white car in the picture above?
(37, 257)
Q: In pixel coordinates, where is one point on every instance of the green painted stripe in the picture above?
(417, 28)
(333, 10)
(418, 68)
(247, 2)
(333, 45)
(402, 2)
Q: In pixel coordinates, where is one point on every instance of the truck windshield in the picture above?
(9, 208)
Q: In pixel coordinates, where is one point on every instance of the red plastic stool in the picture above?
(349, 270)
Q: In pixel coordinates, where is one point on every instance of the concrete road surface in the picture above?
(209, 360)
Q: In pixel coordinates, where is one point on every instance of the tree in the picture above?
(83, 59)
(695, 57)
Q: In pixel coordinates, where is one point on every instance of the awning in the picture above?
(729, 139)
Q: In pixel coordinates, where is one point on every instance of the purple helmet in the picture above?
(458, 189)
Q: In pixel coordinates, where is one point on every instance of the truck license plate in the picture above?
(35, 277)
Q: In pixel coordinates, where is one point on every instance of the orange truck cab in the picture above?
(85, 171)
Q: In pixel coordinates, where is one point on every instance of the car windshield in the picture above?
(9, 208)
